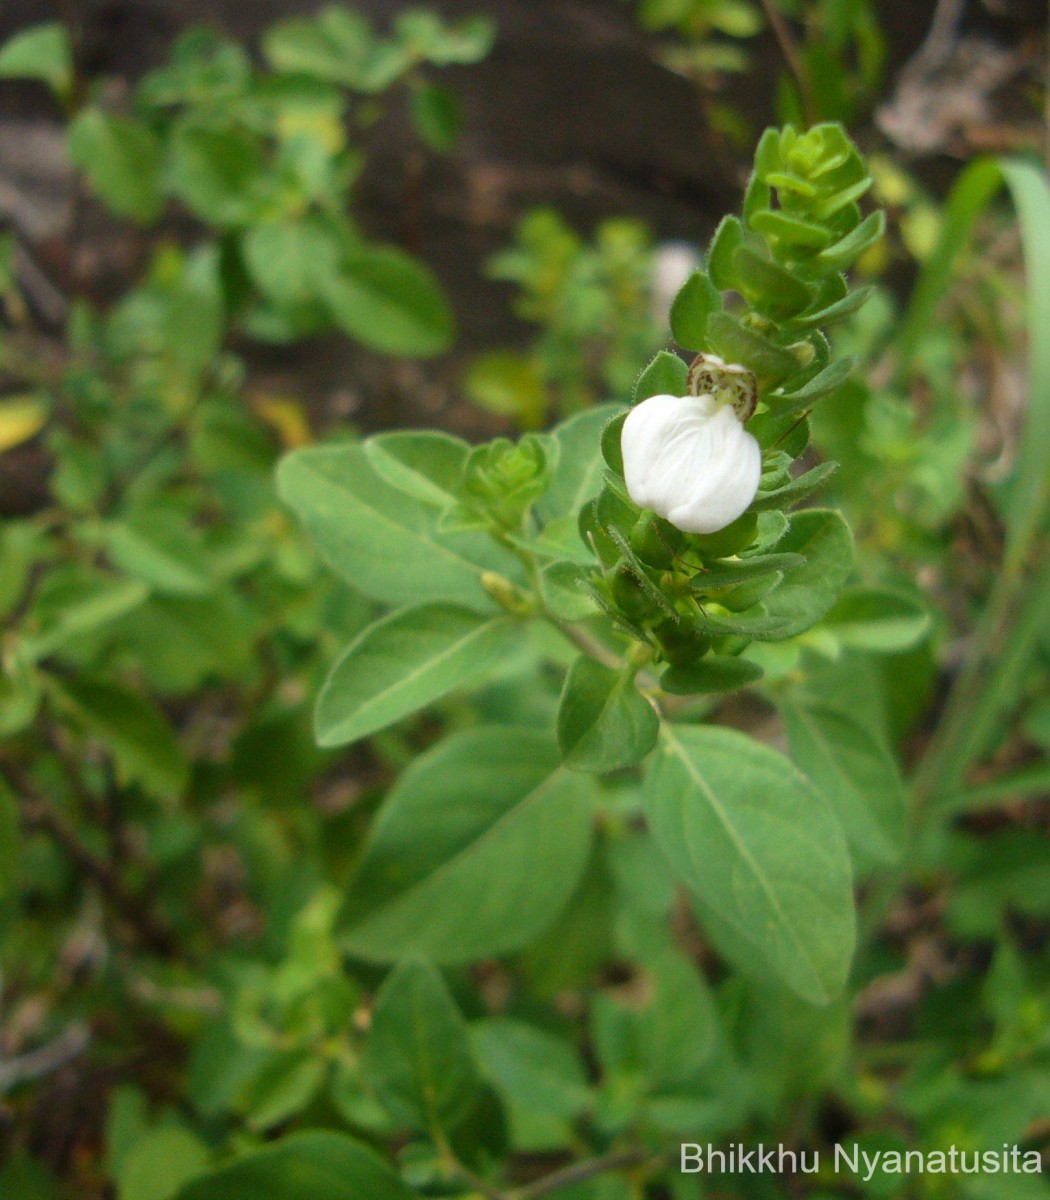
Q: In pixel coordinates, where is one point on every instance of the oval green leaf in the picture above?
(475, 852)
(760, 847)
(419, 1061)
(604, 722)
(402, 663)
(381, 540)
(390, 302)
(303, 1166)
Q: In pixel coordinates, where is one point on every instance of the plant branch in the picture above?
(578, 1173)
(44, 1060)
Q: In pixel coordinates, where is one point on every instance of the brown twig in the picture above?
(792, 59)
(44, 1059)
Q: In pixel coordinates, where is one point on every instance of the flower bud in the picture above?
(691, 461)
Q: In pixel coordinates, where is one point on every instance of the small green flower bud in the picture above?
(505, 593)
(655, 541)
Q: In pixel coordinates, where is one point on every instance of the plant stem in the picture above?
(584, 642)
(578, 1173)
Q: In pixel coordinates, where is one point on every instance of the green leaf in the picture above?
(604, 722)
(807, 592)
(768, 286)
(789, 230)
(418, 1059)
(564, 591)
(697, 299)
(878, 620)
(425, 464)
(577, 475)
(121, 159)
(133, 730)
(316, 1165)
(845, 307)
(218, 173)
(285, 258)
(830, 379)
(728, 237)
(464, 42)
(738, 344)
(437, 116)
(667, 1038)
(760, 847)
(728, 572)
(390, 302)
(795, 489)
(538, 1076)
(849, 763)
(159, 1163)
(80, 606)
(714, 673)
(404, 662)
(287, 1083)
(475, 851)
(160, 549)
(379, 539)
(846, 251)
(41, 52)
(332, 46)
(666, 375)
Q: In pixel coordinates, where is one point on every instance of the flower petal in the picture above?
(690, 460)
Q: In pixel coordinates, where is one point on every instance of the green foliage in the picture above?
(603, 721)
(593, 303)
(427, 1081)
(833, 66)
(263, 158)
(761, 849)
(403, 663)
(560, 903)
(41, 52)
(303, 1166)
(508, 834)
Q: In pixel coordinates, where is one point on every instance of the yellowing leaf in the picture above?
(21, 418)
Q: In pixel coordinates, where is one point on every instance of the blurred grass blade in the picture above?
(1014, 615)
(976, 187)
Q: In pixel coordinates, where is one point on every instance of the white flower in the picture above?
(690, 460)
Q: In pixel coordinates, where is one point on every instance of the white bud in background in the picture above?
(673, 263)
(691, 461)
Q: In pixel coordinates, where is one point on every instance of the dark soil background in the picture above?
(572, 109)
